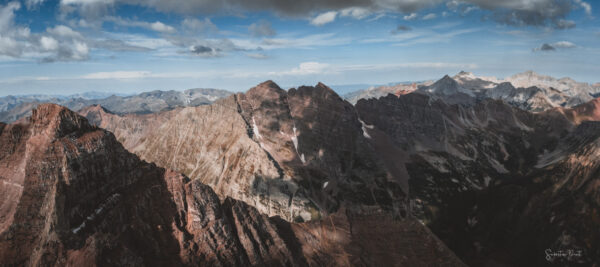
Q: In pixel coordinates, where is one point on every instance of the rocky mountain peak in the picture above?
(505, 86)
(85, 201)
(265, 87)
(446, 81)
(445, 86)
(465, 75)
(57, 120)
(319, 91)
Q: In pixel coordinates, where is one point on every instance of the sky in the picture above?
(130, 46)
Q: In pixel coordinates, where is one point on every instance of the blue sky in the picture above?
(126, 46)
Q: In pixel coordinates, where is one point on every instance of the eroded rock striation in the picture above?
(299, 154)
(72, 195)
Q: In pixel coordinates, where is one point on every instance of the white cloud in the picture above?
(305, 68)
(7, 15)
(586, 7)
(155, 26)
(9, 47)
(64, 31)
(324, 18)
(564, 44)
(81, 50)
(161, 27)
(546, 47)
(355, 12)
(48, 43)
(430, 16)
(411, 16)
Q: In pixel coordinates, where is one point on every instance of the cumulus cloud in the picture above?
(57, 43)
(261, 28)
(64, 31)
(161, 27)
(48, 43)
(355, 12)
(410, 16)
(555, 46)
(14, 39)
(324, 18)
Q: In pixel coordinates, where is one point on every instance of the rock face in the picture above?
(72, 195)
(497, 183)
(300, 154)
(482, 175)
(13, 108)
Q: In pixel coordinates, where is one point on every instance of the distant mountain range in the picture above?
(13, 108)
(527, 90)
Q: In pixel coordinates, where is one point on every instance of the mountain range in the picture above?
(13, 108)
(461, 171)
(527, 90)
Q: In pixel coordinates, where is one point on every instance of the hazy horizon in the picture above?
(339, 88)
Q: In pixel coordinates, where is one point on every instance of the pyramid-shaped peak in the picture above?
(57, 120)
(446, 80)
(322, 86)
(269, 83)
(264, 88)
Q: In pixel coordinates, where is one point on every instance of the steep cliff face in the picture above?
(72, 195)
(498, 185)
(69, 193)
(317, 138)
(299, 154)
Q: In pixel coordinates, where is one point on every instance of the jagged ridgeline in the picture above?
(73, 196)
(302, 177)
(441, 153)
